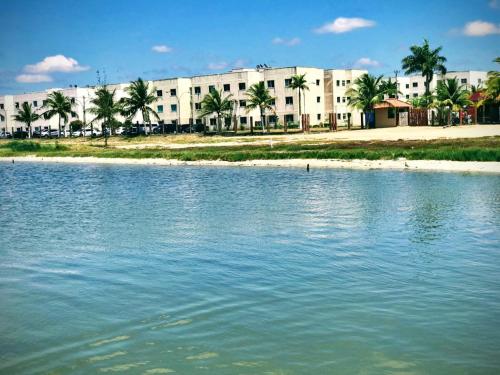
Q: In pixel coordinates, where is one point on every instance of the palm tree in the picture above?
(213, 102)
(27, 116)
(140, 100)
(58, 104)
(367, 91)
(451, 94)
(105, 108)
(299, 82)
(426, 61)
(260, 97)
(493, 84)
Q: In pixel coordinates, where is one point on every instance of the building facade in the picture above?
(179, 100)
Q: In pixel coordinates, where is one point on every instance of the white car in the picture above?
(92, 132)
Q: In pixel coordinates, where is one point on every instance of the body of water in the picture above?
(151, 270)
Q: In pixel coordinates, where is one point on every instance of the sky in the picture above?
(46, 44)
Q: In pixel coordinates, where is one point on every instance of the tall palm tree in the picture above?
(451, 94)
(426, 61)
(27, 116)
(260, 97)
(58, 104)
(493, 84)
(299, 82)
(213, 102)
(367, 91)
(105, 108)
(139, 101)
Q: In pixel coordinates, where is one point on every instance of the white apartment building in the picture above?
(9, 104)
(414, 86)
(337, 82)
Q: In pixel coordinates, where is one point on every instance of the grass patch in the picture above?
(474, 149)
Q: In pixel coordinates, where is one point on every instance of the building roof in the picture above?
(392, 103)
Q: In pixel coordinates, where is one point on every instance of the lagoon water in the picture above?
(151, 270)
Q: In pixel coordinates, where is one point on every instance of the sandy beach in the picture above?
(400, 164)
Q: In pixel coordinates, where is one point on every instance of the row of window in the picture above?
(344, 99)
(344, 82)
(35, 103)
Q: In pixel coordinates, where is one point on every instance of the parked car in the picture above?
(20, 134)
(46, 133)
(36, 134)
(5, 135)
(92, 132)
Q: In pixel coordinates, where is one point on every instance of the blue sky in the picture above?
(197, 37)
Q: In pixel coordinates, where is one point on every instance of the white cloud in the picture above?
(366, 61)
(218, 65)
(480, 28)
(343, 25)
(162, 48)
(57, 63)
(33, 78)
(287, 42)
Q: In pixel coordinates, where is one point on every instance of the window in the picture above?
(72, 100)
(17, 104)
(159, 93)
(2, 118)
(338, 99)
(348, 82)
(318, 117)
(242, 86)
(391, 113)
(479, 80)
(463, 80)
(35, 103)
(318, 99)
(343, 99)
(343, 83)
(407, 85)
(159, 109)
(339, 116)
(415, 95)
(197, 106)
(44, 102)
(338, 83)
(317, 82)
(197, 90)
(213, 121)
(288, 118)
(273, 101)
(288, 82)
(270, 84)
(243, 120)
(173, 107)
(211, 88)
(1, 106)
(27, 102)
(227, 87)
(289, 100)
(344, 116)
(243, 103)
(272, 119)
(407, 96)
(173, 92)
(348, 98)
(415, 84)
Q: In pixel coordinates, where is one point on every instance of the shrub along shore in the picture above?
(486, 149)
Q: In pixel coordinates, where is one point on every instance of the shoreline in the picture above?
(358, 164)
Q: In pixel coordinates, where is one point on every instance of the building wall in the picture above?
(337, 82)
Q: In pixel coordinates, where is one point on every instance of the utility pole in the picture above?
(396, 72)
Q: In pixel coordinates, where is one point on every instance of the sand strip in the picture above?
(400, 164)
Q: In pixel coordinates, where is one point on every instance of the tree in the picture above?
(260, 97)
(105, 108)
(139, 101)
(421, 101)
(451, 94)
(493, 84)
(27, 116)
(212, 103)
(299, 82)
(58, 104)
(367, 91)
(426, 61)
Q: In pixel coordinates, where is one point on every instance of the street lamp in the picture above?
(83, 103)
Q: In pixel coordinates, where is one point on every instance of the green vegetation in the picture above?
(105, 109)
(213, 102)
(140, 100)
(26, 115)
(58, 104)
(299, 82)
(426, 61)
(260, 97)
(475, 149)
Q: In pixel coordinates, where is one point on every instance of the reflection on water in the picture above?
(153, 270)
